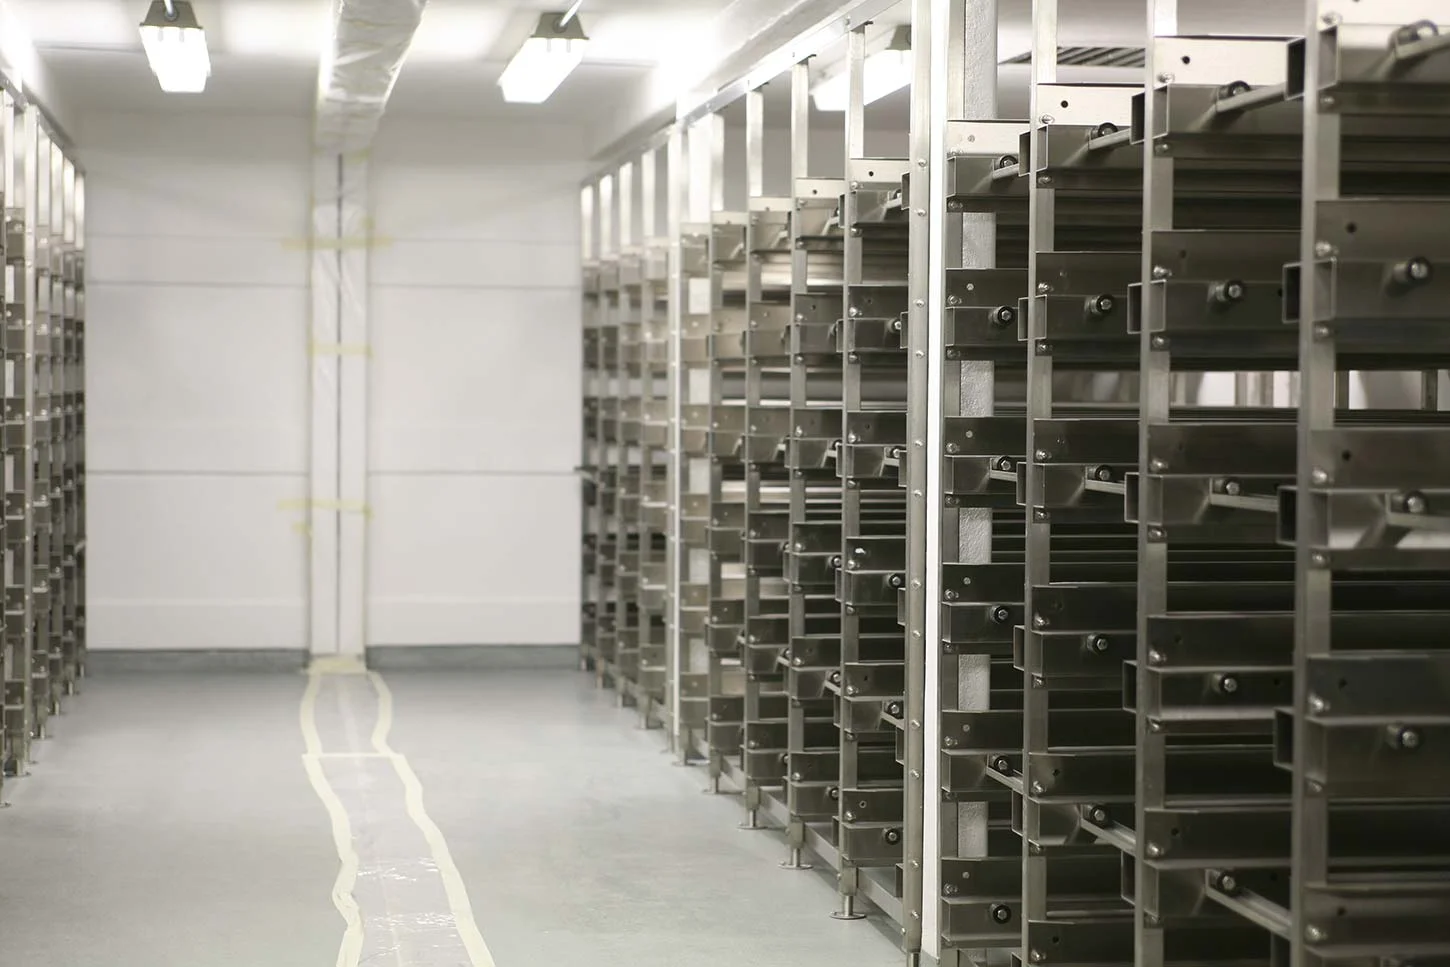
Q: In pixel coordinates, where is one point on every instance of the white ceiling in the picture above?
(265, 54)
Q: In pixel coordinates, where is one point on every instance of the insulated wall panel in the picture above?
(488, 572)
(475, 381)
(473, 492)
(197, 427)
(197, 561)
(158, 407)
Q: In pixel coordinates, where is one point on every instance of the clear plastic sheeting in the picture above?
(370, 40)
(398, 892)
(341, 244)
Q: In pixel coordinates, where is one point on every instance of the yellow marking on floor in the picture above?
(459, 906)
(458, 903)
(350, 950)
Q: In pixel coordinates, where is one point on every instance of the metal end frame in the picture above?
(871, 463)
(629, 438)
(1369, 732)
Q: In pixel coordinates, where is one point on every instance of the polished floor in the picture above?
(170, 822)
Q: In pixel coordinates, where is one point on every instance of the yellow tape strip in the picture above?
(341, 349)
(459, 906)
(458, 903)
(350, 950)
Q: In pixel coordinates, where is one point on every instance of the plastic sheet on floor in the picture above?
(401, 894)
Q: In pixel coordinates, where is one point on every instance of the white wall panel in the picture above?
(474, 559)
(499, 142)
(177, 141)
(197, 362)
(476, 263)
(476, 365)
(195, 562)
(514, 203)
(475, 380)
(195, 260)
(196, 379)
(198, 375)
(137, 196)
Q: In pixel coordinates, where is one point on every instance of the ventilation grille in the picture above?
(1091, 57)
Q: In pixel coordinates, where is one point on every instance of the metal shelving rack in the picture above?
(1366, 734)
(591, 445)
(765, 633)
(1220, 141)
(813, 654)
(1130, 423)
(44, 652)
(656, 462)
(872, 573)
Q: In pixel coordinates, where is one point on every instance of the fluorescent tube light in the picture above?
(176, 47)
(881, 73)
(545, 59)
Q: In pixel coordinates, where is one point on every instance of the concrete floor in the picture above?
(170, 823)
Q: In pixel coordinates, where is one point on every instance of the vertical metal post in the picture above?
(1042, 216)
(972, 243)
(754, 190)
(589, 459)
(677, 173)
(1318, 396)
(802, 297)
(800, 121)
(848, 876)
(23, 400)
(1155, 399)
(922, 887)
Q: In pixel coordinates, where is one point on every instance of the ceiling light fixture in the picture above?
(176, 47)
(545, 59)
(881, 73)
